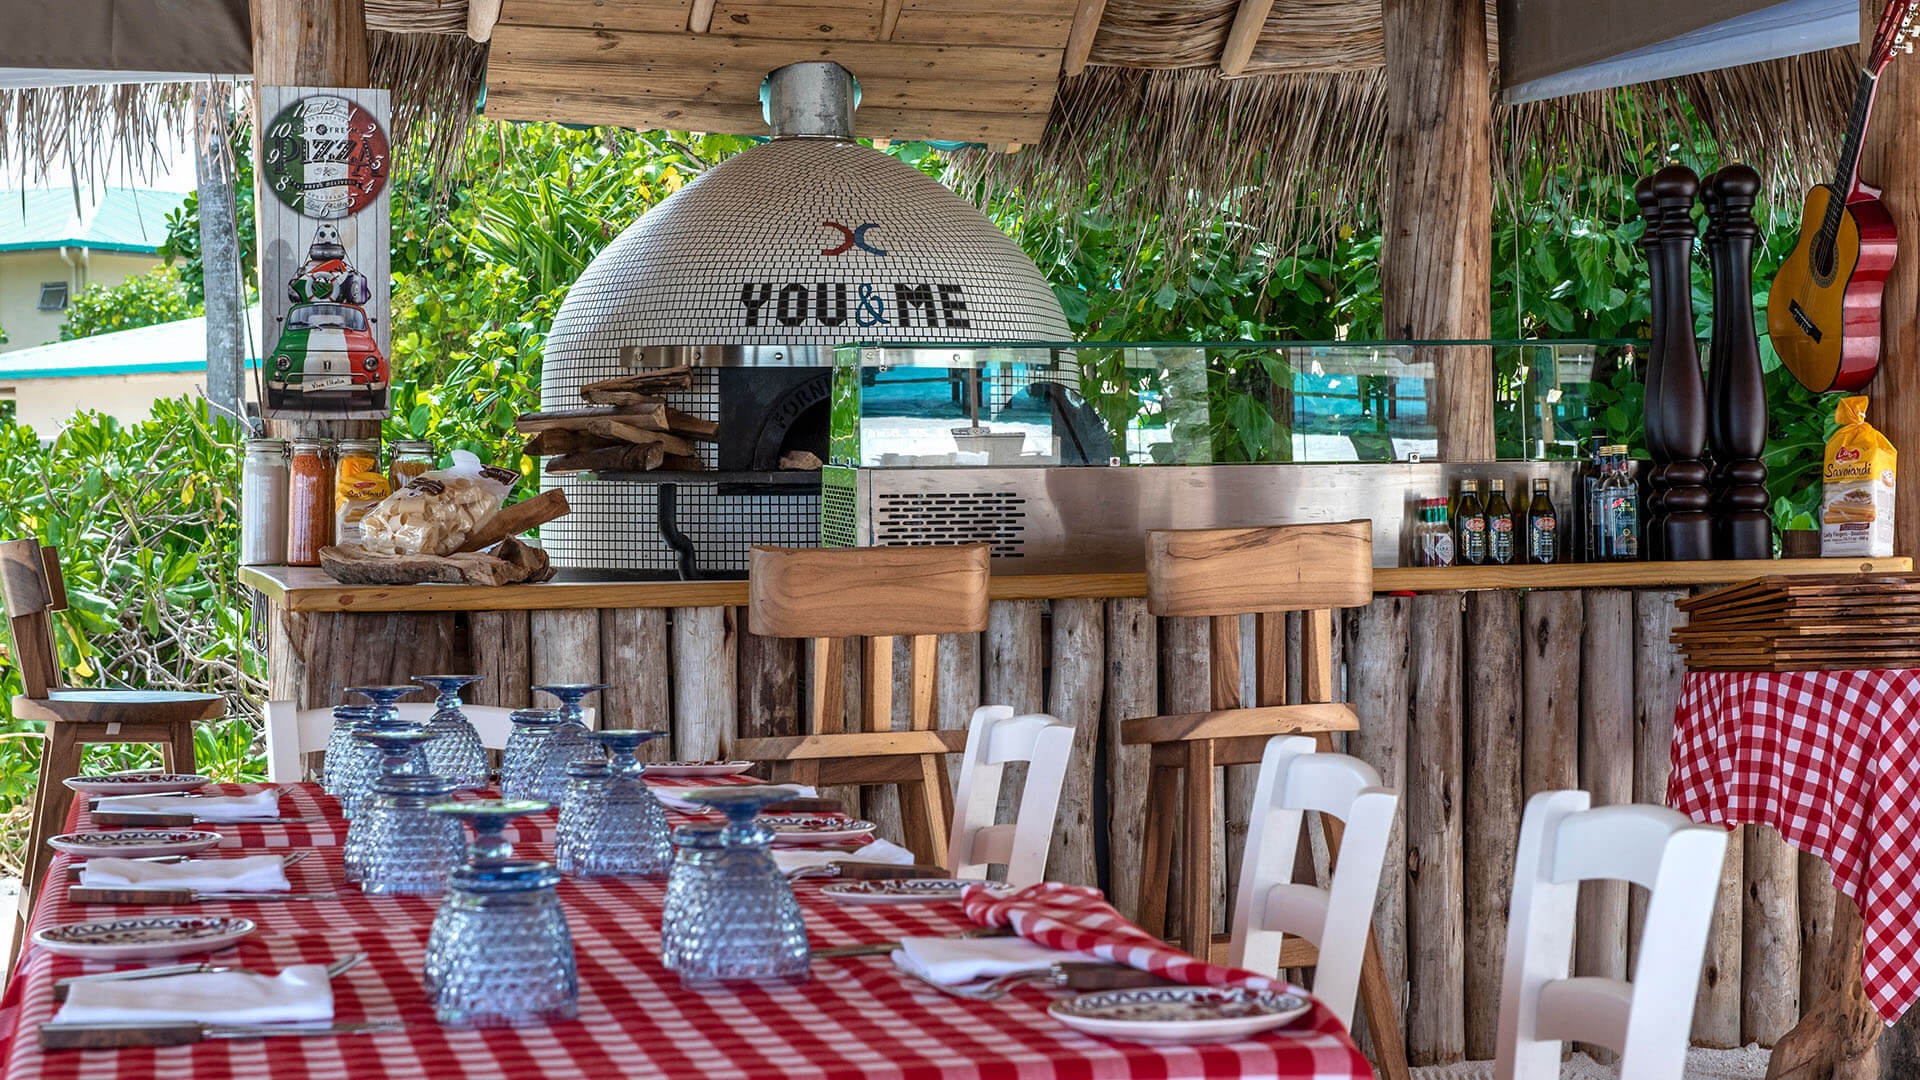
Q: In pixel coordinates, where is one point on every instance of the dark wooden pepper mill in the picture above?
(1736, 388)
(1652, 214)
(1676, 398)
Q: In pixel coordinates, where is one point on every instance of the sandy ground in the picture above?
(1747, 1063)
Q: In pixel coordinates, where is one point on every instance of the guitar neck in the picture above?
(1848, 172)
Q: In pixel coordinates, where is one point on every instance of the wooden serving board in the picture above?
(511, 563)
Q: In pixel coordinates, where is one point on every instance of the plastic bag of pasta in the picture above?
(436, 512)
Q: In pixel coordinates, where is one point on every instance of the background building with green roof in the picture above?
(51, 248)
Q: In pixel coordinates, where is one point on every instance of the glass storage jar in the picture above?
(359, 485)
(263, 503)
(410, 459)
(309, 501)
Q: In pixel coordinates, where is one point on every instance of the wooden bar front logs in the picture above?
(1472, 696)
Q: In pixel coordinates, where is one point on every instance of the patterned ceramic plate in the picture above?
(153, 938)
(134, 843)
(815, 828)
(905, 890)
(665, 769)
(1178, 1014)
(136, 783)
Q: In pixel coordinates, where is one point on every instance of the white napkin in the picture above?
(224, 997)
(253, 873)
(880, 851)
(259, 806)
(955, 961)
(674, 797)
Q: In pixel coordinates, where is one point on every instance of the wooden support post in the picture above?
(633, 660)
(1657, 674)
(1079, 645)
(1376, 649)
(1770, 929)
(1133, 689)
(1493, 802)
(1183, 682)
(1436, 262)
(704, 670)
(1015, 675)
(1890, 160)
(1550, 689)
(957, 692)
(501, 648)
(1606, 772)
(1436, 932)
(566, 649)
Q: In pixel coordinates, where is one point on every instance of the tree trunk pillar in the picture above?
(1890, 159)
(1437, 258)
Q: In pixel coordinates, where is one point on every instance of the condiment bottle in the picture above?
(410, 459)
(309, 502)
(263, 503)
(1620, 517)
(1440, 534)
(1543, 525)
(1469, 525)
(1500, 531)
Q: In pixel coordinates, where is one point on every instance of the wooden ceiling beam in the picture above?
(1086, 26)
(1248, 22)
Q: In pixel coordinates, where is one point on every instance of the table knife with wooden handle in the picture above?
(1082, 976)
(867, 871)
(84, 894)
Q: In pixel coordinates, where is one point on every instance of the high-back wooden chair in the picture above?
(1222, 574)
(871, 596)
(34, 589)
(1648, 1021)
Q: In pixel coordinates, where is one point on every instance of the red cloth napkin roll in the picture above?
(1074, 918)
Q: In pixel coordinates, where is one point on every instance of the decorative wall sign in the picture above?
(324, 252)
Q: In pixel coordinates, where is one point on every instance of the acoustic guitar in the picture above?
(1824, 311)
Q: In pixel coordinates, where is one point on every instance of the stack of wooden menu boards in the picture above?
(1812, 623)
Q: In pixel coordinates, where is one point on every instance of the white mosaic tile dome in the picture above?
(800, 241)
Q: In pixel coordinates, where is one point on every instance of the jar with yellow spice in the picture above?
(358, 486)
(309, 501)
(410, 459)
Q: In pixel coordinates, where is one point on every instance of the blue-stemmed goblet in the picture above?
(385, 698)
(738, 920)
(612, 825)
(570, 741)
(347, 719)
(522, 762)
(499, 953)
(457, 755)
(398, 750)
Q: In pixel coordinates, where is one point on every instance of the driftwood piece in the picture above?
(518, 518)
(1770, 931)
(511, 563)
(1839, 1034)
(609, 459)
(657, 381)
(619, 422)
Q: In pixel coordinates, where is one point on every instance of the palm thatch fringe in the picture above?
(436, 80)
(1293, 157)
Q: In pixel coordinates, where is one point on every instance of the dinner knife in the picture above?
(171, 821)
(61, 987)
(117, 1036)
(881, 948)
(292, 858)
(83, 894)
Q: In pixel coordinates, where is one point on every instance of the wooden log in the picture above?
(1818, 898)
(704, 665)
(1841, 1037)
(1491, 822)
(1438, 217)
(1658, 672)
(1015, 669)
(1436, 932)
(368, 649)
(1184, 675)
(1770, 937)
(501, 646)
(1132, 689)
(656, 381)
(1074, 695)
(1716, 1011)
(527, 514)
(633, 659)
(1377, 687)
(566, 649)
(1606, 772)
(957, 688)
(1550, 682)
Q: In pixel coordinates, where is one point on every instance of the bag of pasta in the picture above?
(1856, 502)
(436, 512)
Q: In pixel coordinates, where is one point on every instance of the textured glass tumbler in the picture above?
(570, 742)
(457, 754)
(526, 753)
(737, 919)
(612, 825)
(397, 752)
(500, 953)
(409, 849)
(347, 719)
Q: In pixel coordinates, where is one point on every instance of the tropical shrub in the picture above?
(156, 296)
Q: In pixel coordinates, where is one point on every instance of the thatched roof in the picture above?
(1133, 109)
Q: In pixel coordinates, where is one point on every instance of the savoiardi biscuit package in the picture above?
(1856, 502)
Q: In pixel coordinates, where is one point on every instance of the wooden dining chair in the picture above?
(1222, 574)
(863, 598)
(1274, 915)
(1647, 1021)
(33, 589)
(995, 739)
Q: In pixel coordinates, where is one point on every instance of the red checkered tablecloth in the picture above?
(1832, 760)
(858, 1017)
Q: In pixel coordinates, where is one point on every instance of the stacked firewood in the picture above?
(626, 426)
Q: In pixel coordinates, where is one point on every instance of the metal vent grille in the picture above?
(839, 508)
(995, 518)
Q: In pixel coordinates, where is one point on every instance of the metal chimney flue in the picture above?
(812, 100)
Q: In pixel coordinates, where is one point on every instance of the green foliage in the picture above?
(182, 243)
(156, 296)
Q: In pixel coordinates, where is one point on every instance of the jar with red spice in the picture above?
(309, 501)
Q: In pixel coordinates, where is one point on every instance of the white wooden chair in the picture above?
(1562, 843)
(1271, 905)
(995, 737)
(292, 733)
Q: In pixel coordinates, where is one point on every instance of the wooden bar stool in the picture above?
(1222, 574)
(33, 588)
(871, 595)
